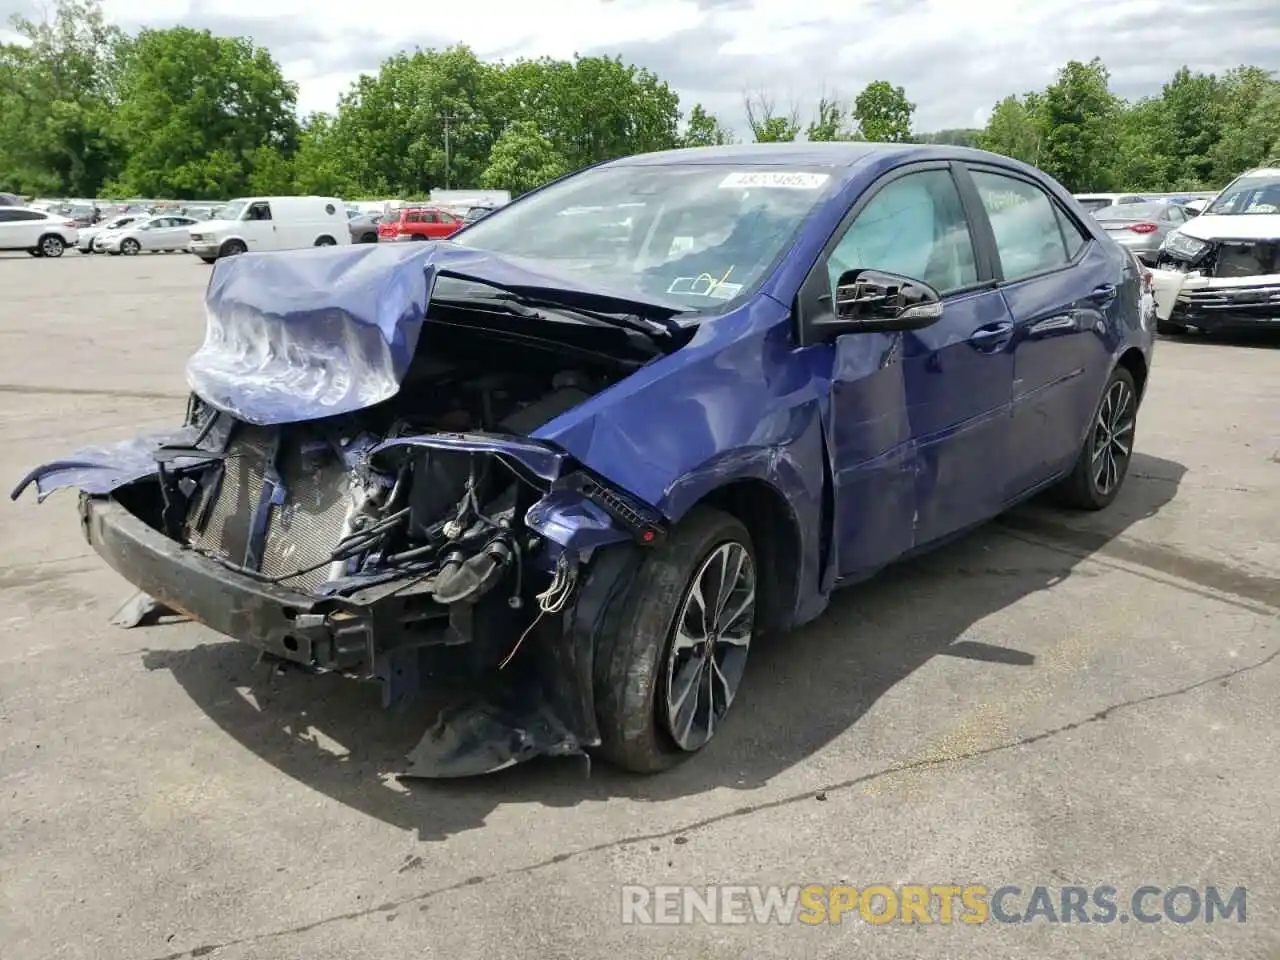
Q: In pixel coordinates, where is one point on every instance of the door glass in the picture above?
(1023, 219)
(1075, 238)
(914, 226)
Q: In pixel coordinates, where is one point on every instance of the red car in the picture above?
(418, 223)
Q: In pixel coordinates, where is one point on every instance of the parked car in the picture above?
(364, 227)
(1096, 201)
(87, 235)
(577, 481)
(477, 213)
(40, 233)
(419, 223)
(1142, 227)
(10, 200)
(161, 234)
(271, 223)
(1228, 259)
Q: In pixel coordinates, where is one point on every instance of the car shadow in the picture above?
(804, 689)
(1257, 338)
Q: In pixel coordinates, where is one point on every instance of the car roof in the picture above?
(841, 154)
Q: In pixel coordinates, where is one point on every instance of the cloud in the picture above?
(954, 59)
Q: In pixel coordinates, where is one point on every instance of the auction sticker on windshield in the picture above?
(780, 179)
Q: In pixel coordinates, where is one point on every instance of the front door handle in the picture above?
(1104, 294)
(992, 336)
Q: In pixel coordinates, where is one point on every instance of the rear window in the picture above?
(1131, 211)
(1098, 204)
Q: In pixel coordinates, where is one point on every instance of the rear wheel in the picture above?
(326, 242)
(1103, 463)
(52, 245)
(369, 238)
(668, 671)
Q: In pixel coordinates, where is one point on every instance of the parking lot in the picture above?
(1056, 699)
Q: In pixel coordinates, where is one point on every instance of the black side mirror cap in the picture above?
(875, 301)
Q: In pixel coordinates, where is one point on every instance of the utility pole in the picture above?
(447, 118)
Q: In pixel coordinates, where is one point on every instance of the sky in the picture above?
(955, 59)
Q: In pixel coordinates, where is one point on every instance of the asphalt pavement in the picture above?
(1056, 700)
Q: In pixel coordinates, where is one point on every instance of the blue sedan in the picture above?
(572, 462)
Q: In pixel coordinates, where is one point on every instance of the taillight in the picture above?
(1143, 227)
(70, 223)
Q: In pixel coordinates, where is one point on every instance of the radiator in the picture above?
(300, 533)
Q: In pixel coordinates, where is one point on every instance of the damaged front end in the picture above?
(414, 534)
(1226, 283)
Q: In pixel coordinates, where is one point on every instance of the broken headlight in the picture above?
(1181, 245)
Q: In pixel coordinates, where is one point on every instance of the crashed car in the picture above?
(1228, 259)
(571, 482)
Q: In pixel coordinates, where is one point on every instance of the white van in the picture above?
(271, 223)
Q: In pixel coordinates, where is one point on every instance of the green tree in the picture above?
(1193, 117)
(57, 95)
(522, 160)
(828, 121)
(1079, 116)
(704, 130)
(883, 113)
(197, 111)
(1014, 129)
(768, 126)
(957, 136)
(1250, 106)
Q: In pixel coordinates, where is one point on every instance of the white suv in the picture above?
(40, 233)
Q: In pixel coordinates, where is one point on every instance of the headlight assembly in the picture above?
(1179, 244)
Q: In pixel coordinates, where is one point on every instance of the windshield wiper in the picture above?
(522, 305)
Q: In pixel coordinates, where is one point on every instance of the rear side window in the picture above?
(1075, 237)
(914, 226)
(1026, 224)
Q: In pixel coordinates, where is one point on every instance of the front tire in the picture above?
(232, 248)
(326, 242)
(130, 247)
(1104, 459)
(670, 666)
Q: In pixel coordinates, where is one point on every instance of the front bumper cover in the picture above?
(1220, 307)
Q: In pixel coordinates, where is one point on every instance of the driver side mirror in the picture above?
(874, 301)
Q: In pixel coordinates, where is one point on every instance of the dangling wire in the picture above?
(550, 601)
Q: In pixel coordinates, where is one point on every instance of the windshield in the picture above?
(231, 211)
(698, 237)
(1256, 193)
(1132, 211)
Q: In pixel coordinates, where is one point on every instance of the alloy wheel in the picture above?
(710, 644)
(129, 247)
(51, 247)
(1113, 436)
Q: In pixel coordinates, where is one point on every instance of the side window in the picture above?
(914, 226)
(1176, 214)
(29, 215)
(1071, 232)
(7, 215)
(1029, 237)
(260, 211)
(430, 217)
(413, 217)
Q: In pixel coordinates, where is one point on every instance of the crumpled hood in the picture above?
(305, 334)
(1248, 226)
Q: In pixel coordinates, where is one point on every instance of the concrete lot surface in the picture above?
(1055, 700)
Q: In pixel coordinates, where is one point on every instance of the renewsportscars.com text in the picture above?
(815, 904)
